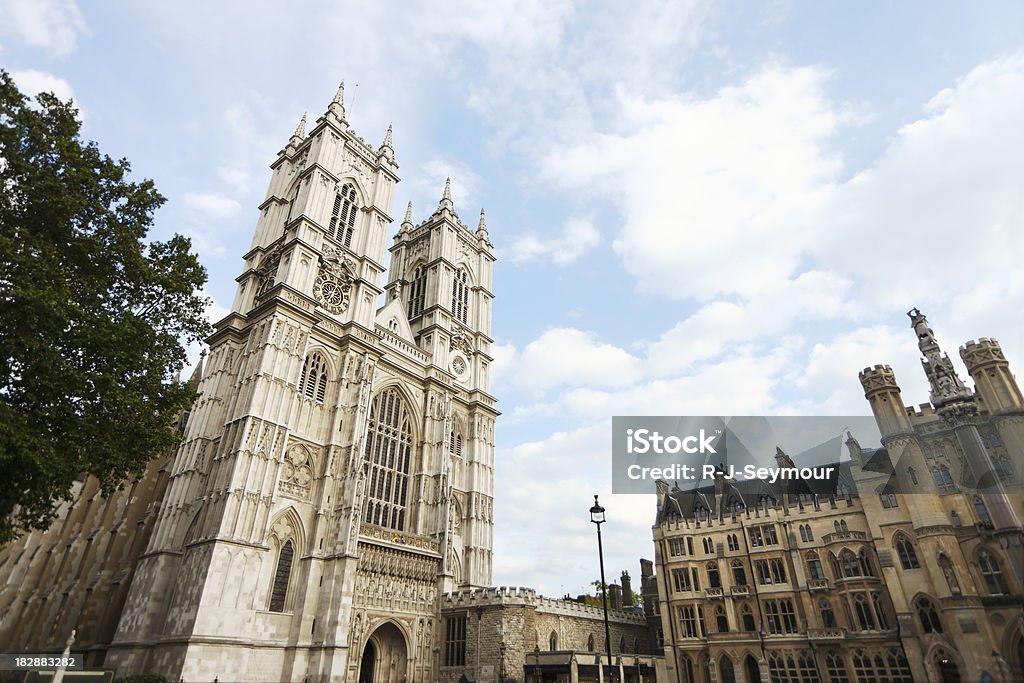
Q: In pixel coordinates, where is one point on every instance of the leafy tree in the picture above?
(91, 317)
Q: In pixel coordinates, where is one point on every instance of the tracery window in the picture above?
(836, 668)
(714, 579)
(313, 380)
(927, 615)
(460, 296)
(906, 552)
(343, 216)
(739, 575)
(982, 510)
(851, 566)
(828, 617)
(888, 498)
(282, 574)
(417, 291)
(455, 640)
(388, 453)
(734, 543)
(814, 568)
(992, 573)
(747, 618)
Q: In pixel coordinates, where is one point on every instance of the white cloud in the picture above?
(567, 356)
(211, 204)
(428, 187)
(54, 25)
(578, 236)
(32, 82)
(239, 179)
(710, 190)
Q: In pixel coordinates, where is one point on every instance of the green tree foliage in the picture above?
(92, 319)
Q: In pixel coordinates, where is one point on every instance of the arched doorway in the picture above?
(366, 666)
(725, 670)
(385, 657)
(753, 670)
(946, 668)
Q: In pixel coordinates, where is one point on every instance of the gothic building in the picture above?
(335, 476)
(909, 570)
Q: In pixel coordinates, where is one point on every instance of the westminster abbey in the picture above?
(336, 475)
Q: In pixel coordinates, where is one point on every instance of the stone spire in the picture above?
(300, 132)
(947, 390)
(386, 150)
(337, 106)
(481, 228)
(407, 221)
(446, 199)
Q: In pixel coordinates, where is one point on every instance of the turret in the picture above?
(883, 393)
(993, 381)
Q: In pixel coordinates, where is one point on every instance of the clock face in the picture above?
(331, 293)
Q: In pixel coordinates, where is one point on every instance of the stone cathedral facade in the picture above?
(336, 475)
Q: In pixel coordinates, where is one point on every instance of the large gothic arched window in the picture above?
(995, 582)
(388, 452)
(460, 296)
(343, 216)
(906, 552)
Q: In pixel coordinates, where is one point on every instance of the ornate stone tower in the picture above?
(336, 475)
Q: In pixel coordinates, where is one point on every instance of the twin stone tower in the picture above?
(336, 475)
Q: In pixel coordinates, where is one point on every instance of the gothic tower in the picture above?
(336, 474)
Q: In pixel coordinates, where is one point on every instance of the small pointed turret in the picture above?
(337, 106)
(300, 132)
(481, 228)
(386, 150)
(446, 199)
(407, 221)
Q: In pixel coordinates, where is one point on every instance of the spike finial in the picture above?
(300, 130)
(337, 105)
(446, 198)
(482, 226)
(387, 137)
(408, 214)
(339, 97)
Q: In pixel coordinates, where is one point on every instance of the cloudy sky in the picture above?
(699, 208)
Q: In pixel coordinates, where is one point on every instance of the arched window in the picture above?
(865, 617)
(343, 216)
(739, 575)
(721, 621)
(880, 611)
(388, 453)
(590, 643)
(836, 668)
(851, 565)
(279, 591)
(842, 526)
(899, 667)
(947, 479)
(748, 618)
(734, 543)
(814, 568)
(417, 291)
(982, 510)
(992, 573)
(906, 552)
(803, 533)
(865, 563)
(1002, 466)
(828, 617)
(313, 380)
(937, 476)
(863, 667)
(726, 671)
(927, 615)
(888, 498)
(553, 641)
(927, 452)
(714, 580)
(622, 644)
(460, 296)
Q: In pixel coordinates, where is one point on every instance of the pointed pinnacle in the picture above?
(447, 189)
(387, 138)
(408, 215)
(300, 130)
(339, 97)
(482, 227)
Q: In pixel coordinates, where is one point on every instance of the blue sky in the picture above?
(699, 208)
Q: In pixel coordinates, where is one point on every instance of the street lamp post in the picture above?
(597, 517)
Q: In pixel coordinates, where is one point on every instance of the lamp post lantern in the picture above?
(597, 517)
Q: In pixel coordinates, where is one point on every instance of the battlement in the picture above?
(981, 351)
(513, 596)
(877, 378)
